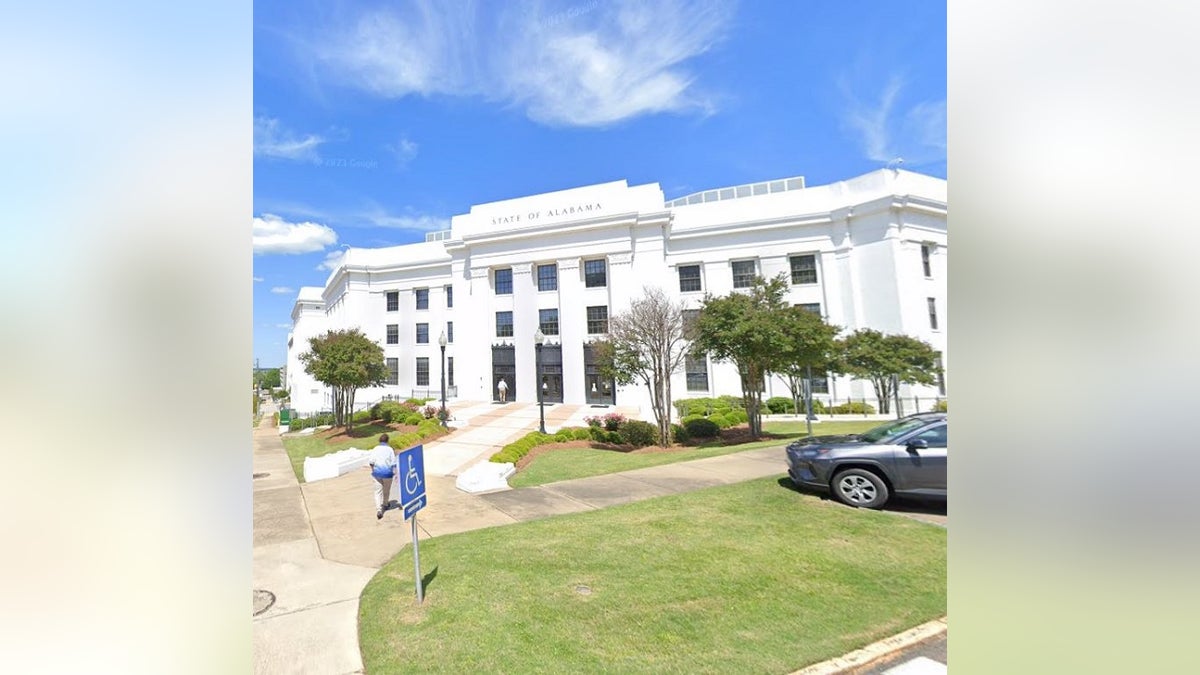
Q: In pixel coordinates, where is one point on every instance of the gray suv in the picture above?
(906, 457)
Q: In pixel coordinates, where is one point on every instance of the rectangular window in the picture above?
(743, 273)
(393, 367)
(449, 296)
(819, 381)
(941, 376)
(449, 371)
(449, 331)
(393, 301)
(595, 273)
(932, 313)
(925, 251)
(422, 333)
(422, 298)
(689, 278)
(597, 320)
(393, 334)
(504, 324)
(422, 371)
(547, 276)
(504, 281)
(804, 269)
(814, 307)
(548, 321)
(697, 373)
(689, 321)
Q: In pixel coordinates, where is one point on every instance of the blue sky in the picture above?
(374, 123)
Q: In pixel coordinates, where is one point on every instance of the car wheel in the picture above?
(860, 488)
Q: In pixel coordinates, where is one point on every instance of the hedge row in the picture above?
(637, 433)
(425, 429)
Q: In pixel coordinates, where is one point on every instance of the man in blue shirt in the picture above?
(383, 468)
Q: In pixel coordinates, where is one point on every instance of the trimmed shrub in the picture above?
(701, 427)
(564, 435)
(720, 420)
(413, 419)
(853, 408)
(689, 418)
(940, 406)
(613, 437)
(639, 434)
(731, 402)
(781, 405)
(429, 411)
(582, 433)
(737, 417)
(679, 434)
(404, 441)
(597, 434)
(361, 416)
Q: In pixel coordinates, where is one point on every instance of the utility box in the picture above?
(285, 417)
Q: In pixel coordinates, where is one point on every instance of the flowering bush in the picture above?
(429, 411)
(610, 422)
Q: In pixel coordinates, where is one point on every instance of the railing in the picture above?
(858, 406)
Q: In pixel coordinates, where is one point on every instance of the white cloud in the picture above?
(404, 149)
(370, 214)
(258, 279)
(916, 134)
(282, 290)
(574, 64)
(286, 326)
(272, 140)
(273, 234)
(332, 260)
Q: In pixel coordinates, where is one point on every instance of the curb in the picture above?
(860, 659)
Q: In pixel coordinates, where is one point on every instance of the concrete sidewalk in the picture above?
(316, 545)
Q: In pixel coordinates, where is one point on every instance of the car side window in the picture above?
(935, 437)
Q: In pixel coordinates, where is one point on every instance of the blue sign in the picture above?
(411, 475)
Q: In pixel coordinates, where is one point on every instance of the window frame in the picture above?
(393, 368)
(449, 332)
(508, 282)
(747, 283)
(691, 375)
(926, 259)
(392, 298)
(589, 276)
(544, 325)
(802, 271)
(931, 305)
(449, 290)
(549, 282)
(699, 278)
(597, 321)
(421, 359)
(421, 298)
(392, 334)
(422, 339)
(509, 324)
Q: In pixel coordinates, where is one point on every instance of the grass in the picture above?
(752, 577)
(315, 445)
(582, 462)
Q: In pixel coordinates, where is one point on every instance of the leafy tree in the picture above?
(809, 343)
(746, 328)
(267, 378)
(646, 344)
(887, 360)
(346, 361)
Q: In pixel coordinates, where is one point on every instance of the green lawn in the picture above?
(746, 578)
(364, 437)
(580, 463)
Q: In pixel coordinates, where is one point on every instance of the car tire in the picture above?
(860, 488)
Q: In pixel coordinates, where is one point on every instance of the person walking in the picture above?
(383, 468)
(502, 388)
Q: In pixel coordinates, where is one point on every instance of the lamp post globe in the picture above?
(538, 339)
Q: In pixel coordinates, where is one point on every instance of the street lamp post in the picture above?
(538, 339)
(442, 343)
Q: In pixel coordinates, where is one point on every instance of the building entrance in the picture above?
(504, 368)
(598, 390)
(552, 374)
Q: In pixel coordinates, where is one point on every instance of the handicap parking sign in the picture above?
(411, 477)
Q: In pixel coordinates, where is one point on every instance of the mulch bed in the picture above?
(731, 436)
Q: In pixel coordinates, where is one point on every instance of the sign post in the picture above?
(412, 499)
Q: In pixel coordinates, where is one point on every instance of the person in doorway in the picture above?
(383, 469)
(502, 389)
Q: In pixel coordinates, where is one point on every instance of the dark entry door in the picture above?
(504, 367)
(552, 379)
(597, 389)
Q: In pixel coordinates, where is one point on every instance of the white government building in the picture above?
(868, 252)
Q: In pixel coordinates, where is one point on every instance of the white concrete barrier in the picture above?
(485, 477)
(334, 464)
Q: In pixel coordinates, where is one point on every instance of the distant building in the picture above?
(868, 252)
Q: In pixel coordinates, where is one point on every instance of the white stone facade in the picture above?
(878, 260)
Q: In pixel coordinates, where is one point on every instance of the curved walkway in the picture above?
(316, 545)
